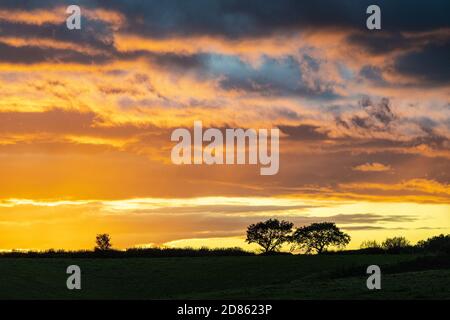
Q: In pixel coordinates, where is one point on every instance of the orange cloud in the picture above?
(37, 17)
(48, 43)
(372, 167)
(423, 186)
(58, 15)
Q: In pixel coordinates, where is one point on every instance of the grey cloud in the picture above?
(429, 64)
(34, 54)
(378, 117)
(370, 217)
(373, 74)
(380, 43)
(234, 18)
(279, 77)
(380, 111)
(237, 19)
(303, 132)
(273, 77)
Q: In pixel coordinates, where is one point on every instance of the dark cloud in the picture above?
(425, 56)
(380, 111)
(430, 64)
(179, 60)
(378, 116)
(235, 18)
(232, 19)
(380, 43)
(34, 54)
(303, 132)
(369, 218)
(273, 77)
(431, 139)
(248, 19)
(373, 74)
(95, 33)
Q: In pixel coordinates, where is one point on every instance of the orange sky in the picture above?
(86, 117)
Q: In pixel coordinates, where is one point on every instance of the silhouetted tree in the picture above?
(436, 243)
(270, 234)
(318, 236)
(103, 242)
(395, 243)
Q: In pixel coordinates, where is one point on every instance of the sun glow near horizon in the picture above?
(203, 221)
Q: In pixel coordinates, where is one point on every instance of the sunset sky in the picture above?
(86, 117)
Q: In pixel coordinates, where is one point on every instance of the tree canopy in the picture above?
(436, 243)
(269, 234)
(318, 236)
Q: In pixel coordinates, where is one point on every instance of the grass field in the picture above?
(253, 277)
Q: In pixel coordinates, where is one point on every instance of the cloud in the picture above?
(372, 119)
(226, 209)
(429, 64)
(303, 132)
(347, 221)
(236, 19)
(271, 77)
(373, 74)
(379, 111)
(372, 167)
(413, 187)
(34, 54)
(380, 43)
(112, 93)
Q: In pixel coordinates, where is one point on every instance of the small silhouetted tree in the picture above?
(269, 234)
(318, 236)
(395, 243)
(103, 242)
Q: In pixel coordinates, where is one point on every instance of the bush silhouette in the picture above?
(370, 244)
(270, 234)
(131, 253)
(396, 244)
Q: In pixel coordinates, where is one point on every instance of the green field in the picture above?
(252, 277)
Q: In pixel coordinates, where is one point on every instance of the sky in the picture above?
(86, 117)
